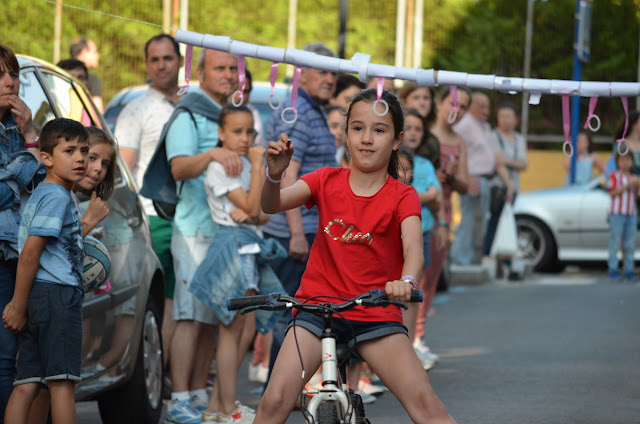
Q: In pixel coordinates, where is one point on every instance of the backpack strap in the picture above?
(158, 183)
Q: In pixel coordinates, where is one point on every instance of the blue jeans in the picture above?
(8, 340)
(622, 226)
(289, 272)
(463, 248)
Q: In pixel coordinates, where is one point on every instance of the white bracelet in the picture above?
(266, 172)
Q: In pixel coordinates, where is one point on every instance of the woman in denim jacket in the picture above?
(20, 172)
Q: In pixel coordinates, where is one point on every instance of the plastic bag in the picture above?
(505, 243)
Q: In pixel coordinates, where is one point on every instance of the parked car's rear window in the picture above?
(33, 95)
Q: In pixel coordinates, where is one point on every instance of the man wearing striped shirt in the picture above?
(314, 148)
(623, 218)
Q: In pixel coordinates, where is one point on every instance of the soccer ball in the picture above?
(97, 264)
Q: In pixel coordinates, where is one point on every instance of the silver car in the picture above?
(564, 225)
(122, 350)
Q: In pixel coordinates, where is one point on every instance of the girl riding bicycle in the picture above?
(369, 236)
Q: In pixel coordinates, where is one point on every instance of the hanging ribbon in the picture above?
(294, 96)
(242, 77)
(272, 79)
(592, 107)
(453, 114)
(623, 141)
(187, 70)
(379, 99)
(567, 147)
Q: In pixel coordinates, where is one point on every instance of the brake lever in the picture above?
(263, 308)
(249, 309)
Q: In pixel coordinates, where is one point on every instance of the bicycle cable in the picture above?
(333, 311)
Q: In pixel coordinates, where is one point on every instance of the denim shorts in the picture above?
(50, 347)
(349, 332)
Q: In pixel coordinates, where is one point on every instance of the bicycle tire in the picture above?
(358, 406)
(327, 413)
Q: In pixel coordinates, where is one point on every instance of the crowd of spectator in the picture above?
(215, 152)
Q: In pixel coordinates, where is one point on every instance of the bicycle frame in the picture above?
(334, 389)
(346, 404)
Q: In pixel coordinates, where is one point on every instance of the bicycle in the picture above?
(334, 403)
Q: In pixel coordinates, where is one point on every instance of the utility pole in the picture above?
(342, 36)
(417, 36)
(401, 16)
(291, 33)
(524, 128)
(57, 32)
(581, 52)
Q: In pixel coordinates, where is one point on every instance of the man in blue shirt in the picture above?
(16, 129)
(190, 146)
(314, 148)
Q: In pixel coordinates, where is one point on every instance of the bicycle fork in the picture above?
(331, 391)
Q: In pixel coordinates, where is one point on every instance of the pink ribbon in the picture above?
(273, 76)
(242, 74)
(454, 97)
(592, 107)
(242, 77)
(567, 147)
(625, 105)
(379, 88)
(187, 69)
(294, 87)
(566, 120)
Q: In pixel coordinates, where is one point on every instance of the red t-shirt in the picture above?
(358, 245)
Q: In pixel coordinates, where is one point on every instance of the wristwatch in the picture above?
(410, 279)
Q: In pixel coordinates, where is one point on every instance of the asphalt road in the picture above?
(552, 349)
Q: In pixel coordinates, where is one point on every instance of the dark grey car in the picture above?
(122, 349)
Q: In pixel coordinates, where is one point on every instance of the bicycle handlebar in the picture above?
(277, 301)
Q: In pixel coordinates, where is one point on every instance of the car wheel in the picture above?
(536, 244)
(140, 400)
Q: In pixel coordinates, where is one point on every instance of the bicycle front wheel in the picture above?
(327, 413)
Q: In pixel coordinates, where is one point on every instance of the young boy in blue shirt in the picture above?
(49, 280)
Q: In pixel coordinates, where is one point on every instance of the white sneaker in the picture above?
(258, 373)
(369, 388)
(366, 398)
(423, 349)
(239, 416)
(245, 408)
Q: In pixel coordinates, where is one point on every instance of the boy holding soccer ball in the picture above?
(49, 280)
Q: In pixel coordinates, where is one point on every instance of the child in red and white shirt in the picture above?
(623, 218)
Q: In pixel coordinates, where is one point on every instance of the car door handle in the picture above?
(133, 222)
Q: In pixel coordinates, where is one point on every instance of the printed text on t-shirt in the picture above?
(349, 233)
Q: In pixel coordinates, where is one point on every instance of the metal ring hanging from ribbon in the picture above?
(622, 142)
(294, 96)
(592, 107)
(453, 113)
(187, 69)
(566, 126)
(380, 100)
(272, 79)
(242, 77)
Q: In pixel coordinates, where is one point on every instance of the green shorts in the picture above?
(161, 231)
